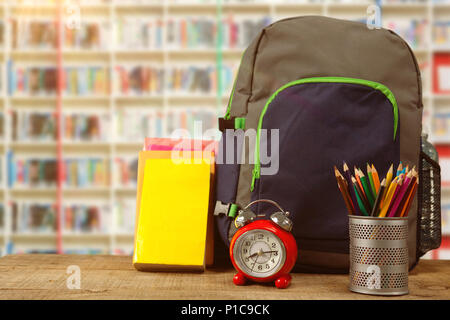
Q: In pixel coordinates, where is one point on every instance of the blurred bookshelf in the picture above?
(138, 68)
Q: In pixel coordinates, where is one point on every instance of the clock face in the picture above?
(259, 253)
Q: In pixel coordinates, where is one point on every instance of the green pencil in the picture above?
(366, 188)
(361, 205)
(372, 184)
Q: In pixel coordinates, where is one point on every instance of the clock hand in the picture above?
(255, 254)
(262, 252)
(254, 263)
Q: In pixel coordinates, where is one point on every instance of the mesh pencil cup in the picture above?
(378, 255)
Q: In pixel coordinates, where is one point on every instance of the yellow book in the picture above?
(173, 209)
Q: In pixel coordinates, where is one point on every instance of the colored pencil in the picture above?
(400, 180)
(376, 178)
(362, 196)
(365, 195)
(399, 169)
(357, 178)
(346, 190)
(359, 198)
(388, 198)
(388, 182)
(404, 201)
(405, 211)
(378, 199)
(370, 177)
(366, 188)
(398, 198)
(348, 177)
(343, 188)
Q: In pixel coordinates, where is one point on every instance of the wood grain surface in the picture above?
(39, 276)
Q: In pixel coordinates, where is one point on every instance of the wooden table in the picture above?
(34, 276)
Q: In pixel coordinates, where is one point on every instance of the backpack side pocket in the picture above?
(429, 206)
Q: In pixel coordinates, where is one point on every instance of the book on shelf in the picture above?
(192, 79)
(33, 126)
(138, 80)
(86, 218)
(42, 172)
(31, 172)
(134, 124)
(36, 80)
(198, 79)
(86, 172)
(29, 217)
(191, 120)
(42, 80)
(446, 218)
(135, 33)
(441, 125)
(413, 31)
(91, 35)
(191, 32)
(2, 126)
(33, 217)
(2, 218)
(201, 32)
(441, 33)
(86, 80)
(238, 32)
(125, 215)
(32, 33)
(125, 171)
(2, 33)
(77, 126)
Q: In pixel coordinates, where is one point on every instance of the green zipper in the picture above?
(375, 85)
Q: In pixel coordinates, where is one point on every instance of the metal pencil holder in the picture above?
(378, 255)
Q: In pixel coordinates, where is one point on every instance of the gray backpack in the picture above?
(335, 91)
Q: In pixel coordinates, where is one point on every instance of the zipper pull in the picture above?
(255, 175)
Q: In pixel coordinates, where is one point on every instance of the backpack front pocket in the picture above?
(323, 122)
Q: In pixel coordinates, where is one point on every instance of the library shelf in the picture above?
(115, 102)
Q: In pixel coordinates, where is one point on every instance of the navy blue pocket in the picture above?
(322, 124)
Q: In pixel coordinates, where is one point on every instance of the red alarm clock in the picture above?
(263, 250)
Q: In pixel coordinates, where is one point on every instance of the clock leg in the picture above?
(283, 281)
(239, 279)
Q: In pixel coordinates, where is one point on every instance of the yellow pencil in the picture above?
(388, 183)
(388, 198)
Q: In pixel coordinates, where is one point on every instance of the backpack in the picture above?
(328, 91)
